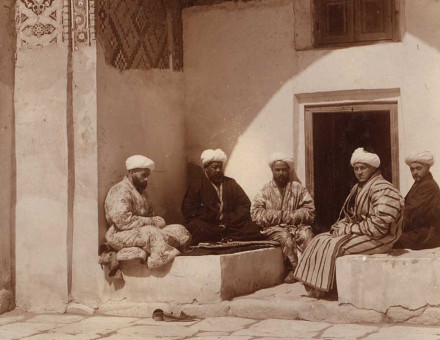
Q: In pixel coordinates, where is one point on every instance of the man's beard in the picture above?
(139, 185)
(281, 180)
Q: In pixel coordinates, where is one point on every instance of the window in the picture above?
(353, 21)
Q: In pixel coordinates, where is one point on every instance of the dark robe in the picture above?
(200, 208)
(421, 226)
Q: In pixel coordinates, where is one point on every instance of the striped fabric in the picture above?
(270, 207)
(370, 222)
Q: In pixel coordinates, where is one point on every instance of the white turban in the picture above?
(361, 156)
(139, 162)
(279, 156)
(210, 155)
(424, 157)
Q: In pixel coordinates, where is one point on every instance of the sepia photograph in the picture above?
(220, 169)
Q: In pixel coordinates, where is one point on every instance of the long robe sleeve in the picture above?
(238, 211)
(121, 210)
(386, 209)
(270, 209)
(194, 206)
(422, 205)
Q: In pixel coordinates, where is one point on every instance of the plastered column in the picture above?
(87, 276)
(41, 156)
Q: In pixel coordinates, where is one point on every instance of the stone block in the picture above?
(410, 279)
(400, 314)
(261, 309)
(201, 279)
(77, 308)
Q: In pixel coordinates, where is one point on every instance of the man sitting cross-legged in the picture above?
(284, 210)
(215, 207)
(132, 220)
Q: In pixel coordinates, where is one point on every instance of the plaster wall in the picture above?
(242, 75)
(141, 112)
(7, 192)
(42, 176)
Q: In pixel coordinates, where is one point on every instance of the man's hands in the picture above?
(158, 222)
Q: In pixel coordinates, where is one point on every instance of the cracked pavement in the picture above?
(20, 325)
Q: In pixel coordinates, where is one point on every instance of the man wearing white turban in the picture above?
(421, 223)
(370, 222)
(133, 222)
(215, 207)
(284, 210)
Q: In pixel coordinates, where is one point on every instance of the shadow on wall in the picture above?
(237, 57)
(240, 59)
(141, 112)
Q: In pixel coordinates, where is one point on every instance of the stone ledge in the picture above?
(403, 278)
(200, 279)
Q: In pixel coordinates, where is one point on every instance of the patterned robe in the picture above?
(285, 217)
(133, 223)
(370, 222)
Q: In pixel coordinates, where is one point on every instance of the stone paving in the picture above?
(20, 325)
(286, 301)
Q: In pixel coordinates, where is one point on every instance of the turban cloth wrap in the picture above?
(361, 156)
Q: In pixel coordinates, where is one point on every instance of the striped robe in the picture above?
(271, 208)
(370, 222)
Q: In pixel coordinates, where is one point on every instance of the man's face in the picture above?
(140, 178)
(280, 172)
(363, 172)
(418, 170)
(214, 171)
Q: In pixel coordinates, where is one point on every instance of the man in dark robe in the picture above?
(421, 224)
(215, 207)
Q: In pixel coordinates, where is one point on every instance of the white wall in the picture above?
(242, 74)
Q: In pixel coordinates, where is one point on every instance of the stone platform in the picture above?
(404, 279)
(200, 279)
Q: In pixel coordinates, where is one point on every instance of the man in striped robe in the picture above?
(284, 210)
(370, 222)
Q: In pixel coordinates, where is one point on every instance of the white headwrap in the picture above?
(424, 157)
(210, 155)
(361, 156)
(139, 162)
(279, 156)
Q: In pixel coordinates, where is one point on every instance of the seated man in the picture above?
(215, 207)
(370, 222)
(421, 222)
(284, 211)
(132, 220)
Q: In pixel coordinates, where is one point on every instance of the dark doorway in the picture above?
(336, 134)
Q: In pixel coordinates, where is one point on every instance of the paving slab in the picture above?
(406, 333)
(96, 325)
(20, 330)
(284, 328)
(348, 331)
(9, 319)
(223, 324)
(400, 314)
(58, 336)
(219, 337)
(155, 331)
(56, 318)
(262, 309)
(151, 322)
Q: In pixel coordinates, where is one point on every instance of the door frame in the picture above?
(309, 110)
